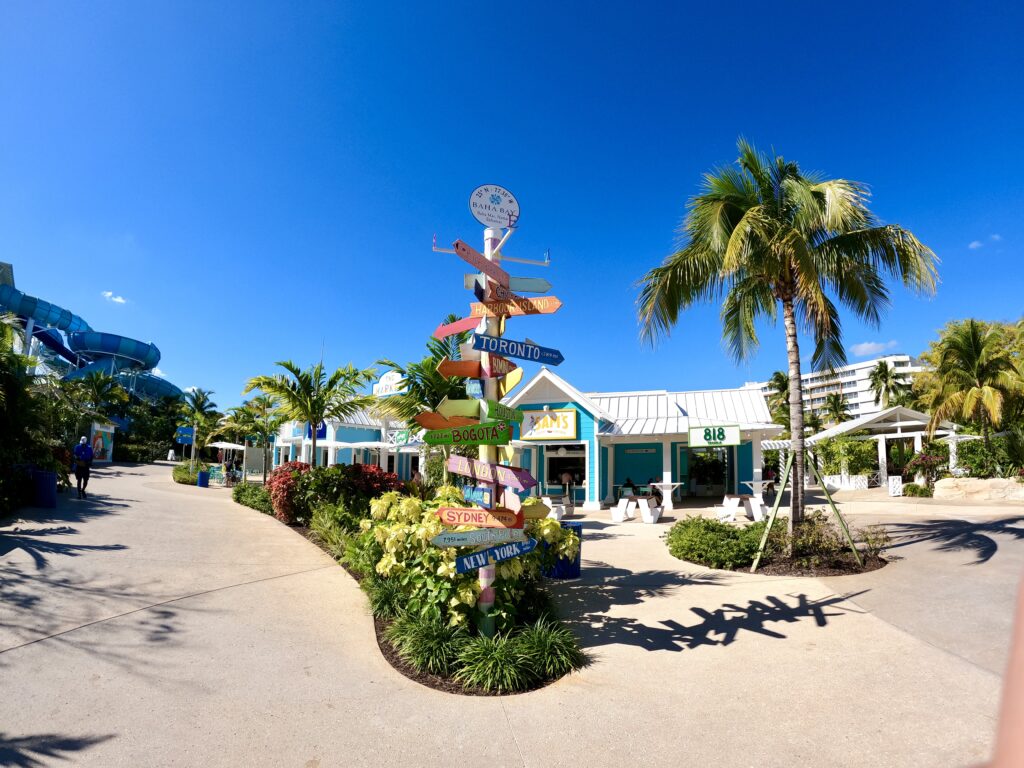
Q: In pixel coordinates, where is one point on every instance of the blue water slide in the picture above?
(111, 353)
(148, 385)
(42, 312)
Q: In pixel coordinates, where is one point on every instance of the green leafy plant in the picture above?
(913, 489)
(715, 544)
(816, 542)
(283, 485)
(551, 648)
(186, 474)
(254, 496)
(385, 596)
(874, 539)
(426, 643)
(498, 664)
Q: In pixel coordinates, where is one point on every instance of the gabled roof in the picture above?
(545, 378)
(891, 420)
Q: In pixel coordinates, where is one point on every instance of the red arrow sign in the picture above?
(495, 366)
(481, 518)
(431, 420)
(538, 305)
(459, 326)
(467, 368)
(475, 258)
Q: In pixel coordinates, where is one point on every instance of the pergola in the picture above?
(896, 423)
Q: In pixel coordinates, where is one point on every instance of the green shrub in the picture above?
(361, 553)
(254, 496)
(499, 664)
(188, 475)
(859, 456)
(348, 486)
(816, 541)
(913, 489)
(385, 596)
(980, 460)
(715, 544)
(551, 648)
(427, 644)
(324, 523)
(874, 538)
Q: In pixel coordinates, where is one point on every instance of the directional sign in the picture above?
(183, 440)
(481, 518)
(497, 412)
(521, 350)
(510, 382)
(513, 477)
(479, 494)
(541, 305)
(466, 368)
(431, 420)
(185, 432)
(478, 537)
(496, 366)
(476, 259)
(474, 388)
(494, 555)
(464, 325)
(390, 384)
(491, 433)
(515, 284)
(469, 408)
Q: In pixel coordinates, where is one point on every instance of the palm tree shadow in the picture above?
(35, 543)
(959, 535)
(44, 748)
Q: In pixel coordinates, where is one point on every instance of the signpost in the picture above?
(469, 408)
(479, 537)
(513, 477)
(491, 433)
(468, 369)
(496, 366)
(510, 382)
(541, 305)
(479, 494)
(431, 420)
(521, 350)
(474, 258)
(474, 389)
(495, 410)
(494, 555)
(494, 206)
(184, 435)
(481, 518)
(713, 437)
(459, 326)
(515, 284)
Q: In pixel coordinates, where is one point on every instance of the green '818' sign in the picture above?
(713, 437)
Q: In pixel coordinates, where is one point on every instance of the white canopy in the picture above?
(226, 446)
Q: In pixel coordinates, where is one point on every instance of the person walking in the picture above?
(83, 461)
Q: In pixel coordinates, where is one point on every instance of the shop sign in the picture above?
(494, 206)
(490, 433)
(558, 424)
(479, 537)
(391, 383)
(494, 555)
(713, 437)
(481, 518)
(321, 431)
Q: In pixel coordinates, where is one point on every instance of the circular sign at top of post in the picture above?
(494, 206)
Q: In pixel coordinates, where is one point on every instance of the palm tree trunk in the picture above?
(312, 458)
(796, 415)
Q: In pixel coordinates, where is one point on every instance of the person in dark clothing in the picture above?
(83, 461)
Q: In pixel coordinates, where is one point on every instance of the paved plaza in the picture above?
(163, 625)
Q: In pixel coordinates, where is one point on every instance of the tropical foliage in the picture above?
(836, 409)
(765, 237)
(889, 387)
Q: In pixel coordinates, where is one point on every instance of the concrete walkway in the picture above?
(160, 625)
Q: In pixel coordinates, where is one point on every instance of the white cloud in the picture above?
(191, 389)
(109, 296)
(995, 238)
(975, 244)
(868, 348)
(158, 372)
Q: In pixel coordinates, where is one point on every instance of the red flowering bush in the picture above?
(283, 484)
(348, 486)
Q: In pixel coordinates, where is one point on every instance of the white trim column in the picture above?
(666, 473)
(593, 501)
(918, 447)
(952, 453)
(883, 463)
(609, 499)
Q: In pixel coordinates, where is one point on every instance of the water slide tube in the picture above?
(88, 350)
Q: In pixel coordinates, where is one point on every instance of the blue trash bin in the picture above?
(203, 479)
(44, 489)
(568, 569)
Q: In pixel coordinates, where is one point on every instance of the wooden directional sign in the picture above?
(521, 350)
(479, 494)
(541, 305)
(513, 477)
(510, 382)
(493, 555)
(481, 518)
(515, 284)
(491, 433)
(496, 366)
(469, 408)
(431, 420)
(478, 537)
(497, 412)
(469, 369)
(459, 326)
(475, 389)
(476, 259)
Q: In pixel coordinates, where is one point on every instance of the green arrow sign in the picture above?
(488, 433)
(496, 410)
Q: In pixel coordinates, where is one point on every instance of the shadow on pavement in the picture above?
(31, 751)
(958, 535)
(34, 541)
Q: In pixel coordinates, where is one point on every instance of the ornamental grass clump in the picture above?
(497, 664)
(551, 648)
(427, 644)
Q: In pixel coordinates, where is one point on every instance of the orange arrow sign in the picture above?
(538, 305)
(431, 420)
(466, 368)
(481, 518)
(475, 258)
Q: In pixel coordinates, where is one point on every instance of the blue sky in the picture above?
(262, 181)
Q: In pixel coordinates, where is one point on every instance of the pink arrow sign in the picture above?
(512, 477)
(476, 259)
(495, 366)
(459, 326)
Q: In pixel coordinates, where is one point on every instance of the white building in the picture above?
(853, 381)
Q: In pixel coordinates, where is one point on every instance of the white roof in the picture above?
(891, 422)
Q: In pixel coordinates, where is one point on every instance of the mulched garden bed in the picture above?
(844, 566)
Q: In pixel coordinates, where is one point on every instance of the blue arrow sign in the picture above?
(519, 349)
(528, 285)
(479, 494)
(494, 555)
(474, 389)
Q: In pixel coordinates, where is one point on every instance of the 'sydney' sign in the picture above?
(481, 518)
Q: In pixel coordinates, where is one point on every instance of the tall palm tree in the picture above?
(888, 386)
(976, 377)
(101, 391)
(202, 413)
(259, 418)
(836, 408)
(764, 236)
(812, 422)
(778, 397)
(312, 396)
